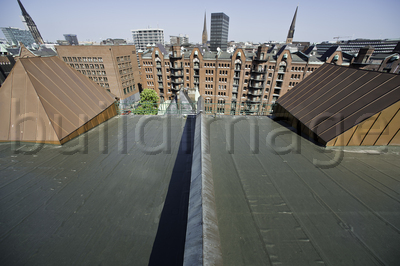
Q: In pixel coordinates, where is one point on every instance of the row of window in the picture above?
(87, 66)
(126, 77)
(125, 65)
(222, 87)
(125, 71)
(127, 83)
(129, 89)
(83, 59)
(93, 72)
(104, 85)
(123, 58)
(208, 71)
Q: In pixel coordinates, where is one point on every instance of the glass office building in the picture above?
(219, 31)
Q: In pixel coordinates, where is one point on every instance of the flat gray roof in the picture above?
(126, 204)
(282, 209)
(87, 209)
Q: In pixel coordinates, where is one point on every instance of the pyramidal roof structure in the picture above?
(341, 106)
(43, 100)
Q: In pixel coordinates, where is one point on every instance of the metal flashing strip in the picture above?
(202, 246)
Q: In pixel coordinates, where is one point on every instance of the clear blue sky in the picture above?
(253, 20)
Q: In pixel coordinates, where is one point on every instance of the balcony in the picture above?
(177, 81)
(179, 74)
(174, 57)
(256, 71)
(159, 73)
(234, 89)
(265, 59)
(255, 93)
(257, 78)
(256, 86)
(236, 77)
(176, 67)
(255, 100)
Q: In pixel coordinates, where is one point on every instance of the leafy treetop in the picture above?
(148, 95)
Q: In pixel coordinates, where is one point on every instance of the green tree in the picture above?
(148, 103)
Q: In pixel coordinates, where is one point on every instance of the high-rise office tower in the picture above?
(144, 37)
(219, 31)
(72, 39)
(30, 24)
(14, 36)
(290, 35)
(204, 37)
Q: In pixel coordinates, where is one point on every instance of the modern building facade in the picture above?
(15, 35)
(113, 67)
(144, 37)
(179, 40)
(30, 24)
(72, 39)
(110, 41)
(354, 46)
(219, 31)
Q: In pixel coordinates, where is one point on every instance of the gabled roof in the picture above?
(50, 102)
(310, 49)
(330, 52)
(162, 48)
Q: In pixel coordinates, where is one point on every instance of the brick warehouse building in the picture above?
(114, 68)
(236, 83)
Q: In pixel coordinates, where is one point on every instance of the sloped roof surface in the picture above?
(330, 51)
(335, 94)
(48, 90)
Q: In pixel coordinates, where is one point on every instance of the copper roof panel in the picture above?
(334, 93)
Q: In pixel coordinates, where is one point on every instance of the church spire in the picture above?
(204, 38)
(31, 25)
(290, 35)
